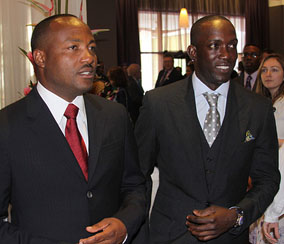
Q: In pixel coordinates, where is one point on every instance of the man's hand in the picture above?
(271, 227)
(111, 231)
(211, 222)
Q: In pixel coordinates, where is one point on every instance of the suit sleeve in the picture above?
(264, 171)
(133, 208)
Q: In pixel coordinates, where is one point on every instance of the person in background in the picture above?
(169, 73)
(134, 90)
(124, 66)
(189, 69)
(266, 52)
(207, 135)
(134, 73)
(98, 87)
(178, 68)
(100, 72)
(118, 81)
(251, 60)
(270, 83)
(111, 89)
(68, 160)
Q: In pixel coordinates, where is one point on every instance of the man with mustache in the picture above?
(207, 135)
(68, 161)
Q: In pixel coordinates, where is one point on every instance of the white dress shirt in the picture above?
(279, 117)
(202, 105)
(57, 107)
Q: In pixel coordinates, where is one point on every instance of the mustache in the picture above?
(87, 66)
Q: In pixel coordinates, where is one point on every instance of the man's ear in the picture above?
(191, 52)
(39, 58)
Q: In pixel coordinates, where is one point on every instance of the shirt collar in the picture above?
(253, 75)
(199, 87)
(58, 105)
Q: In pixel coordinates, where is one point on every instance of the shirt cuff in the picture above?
(125, 239)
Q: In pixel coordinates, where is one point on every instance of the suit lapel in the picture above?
(48, 135)
(189, 130)
(235, 123)
(96, 123)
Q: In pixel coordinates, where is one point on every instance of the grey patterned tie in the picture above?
(212, 120)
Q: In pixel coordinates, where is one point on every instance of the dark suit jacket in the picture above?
(40, 177)
(175, 75)
(168, 133)
(240, 80)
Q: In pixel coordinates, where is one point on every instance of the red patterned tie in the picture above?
(75, 139)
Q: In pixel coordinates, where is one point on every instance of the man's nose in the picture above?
(224, 52)
(88, 57)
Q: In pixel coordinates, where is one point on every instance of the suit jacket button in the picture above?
(89, 194)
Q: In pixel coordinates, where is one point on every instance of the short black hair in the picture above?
(118, 76)
(196, 27)
(41, 30)
(254, 45)
(168, 55)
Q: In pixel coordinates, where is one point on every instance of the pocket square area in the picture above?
(249, 136)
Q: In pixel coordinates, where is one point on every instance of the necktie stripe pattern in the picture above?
(212, 120)
(75, 139)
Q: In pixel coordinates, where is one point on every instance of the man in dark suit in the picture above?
(169, 73)
(134, 90)
(70, 179)
(208, 135)
(251, 60)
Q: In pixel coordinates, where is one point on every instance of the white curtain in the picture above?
(15, 69)
(160, 31)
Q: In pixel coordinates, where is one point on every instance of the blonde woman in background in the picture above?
(270, 83)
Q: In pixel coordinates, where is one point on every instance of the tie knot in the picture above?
(71, 111)
(249, 78)
(248, 84)
(212, 98)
